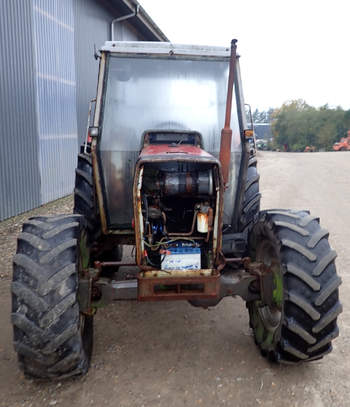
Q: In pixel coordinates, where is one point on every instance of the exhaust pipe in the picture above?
(226, 132)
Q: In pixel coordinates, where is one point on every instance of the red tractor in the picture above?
(167, 169)
(343, 144)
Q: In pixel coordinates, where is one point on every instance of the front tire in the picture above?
(51, 337)
(300, 321)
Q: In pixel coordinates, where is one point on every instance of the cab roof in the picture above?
(165, 48)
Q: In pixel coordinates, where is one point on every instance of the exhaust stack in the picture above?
(226, 132)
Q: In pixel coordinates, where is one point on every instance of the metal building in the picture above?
(47, 77)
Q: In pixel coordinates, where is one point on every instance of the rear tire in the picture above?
(252, 196)
(84, 196)
(51, 337)
(85, 203)
(301, 320)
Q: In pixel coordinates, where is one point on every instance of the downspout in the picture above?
(126, 17)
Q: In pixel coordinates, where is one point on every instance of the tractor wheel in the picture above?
(51, 337)
(252, 196)
(85, 203)
(299, 319)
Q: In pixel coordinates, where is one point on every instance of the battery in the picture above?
(182, 258)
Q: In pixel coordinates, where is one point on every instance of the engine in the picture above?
(179, 205)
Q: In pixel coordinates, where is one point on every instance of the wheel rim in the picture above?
(271, 315)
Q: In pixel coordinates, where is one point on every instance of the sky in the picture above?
(290, 49)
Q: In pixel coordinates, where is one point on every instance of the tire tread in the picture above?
(45, 309)
(311, 298)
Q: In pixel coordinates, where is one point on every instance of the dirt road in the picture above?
(171, 354)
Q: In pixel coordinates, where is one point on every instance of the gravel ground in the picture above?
(10, 228)
(171, 354)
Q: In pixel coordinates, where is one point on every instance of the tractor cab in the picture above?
(166, 94)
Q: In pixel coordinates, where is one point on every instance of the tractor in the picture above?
(166, 169)
(343, 144)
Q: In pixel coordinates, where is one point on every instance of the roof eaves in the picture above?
(142, 21)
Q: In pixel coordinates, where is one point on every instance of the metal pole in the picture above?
(226, 132)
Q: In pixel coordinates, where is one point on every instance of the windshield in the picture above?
(166, 94)
(146, 93)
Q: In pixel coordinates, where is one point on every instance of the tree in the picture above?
(262, 116)
(297, 125)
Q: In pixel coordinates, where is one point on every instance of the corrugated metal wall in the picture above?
(47, 77)
(56, 96)
(92, 28)
(19, 169)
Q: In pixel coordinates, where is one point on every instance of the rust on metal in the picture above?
(226, 132)
(138, 216)
(220, 261)
(242, 260)
(217, 229)
(206, 287)
(178, 288)
(100, 264)
(158, 155)
(87, 135)
(178, 273)
(210, 223)
(95, 169)
(98, 187)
